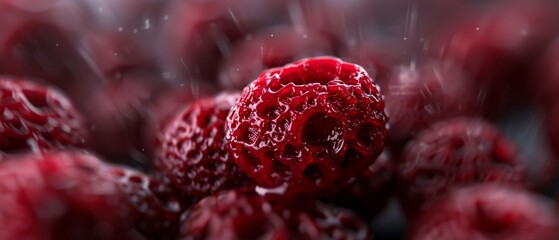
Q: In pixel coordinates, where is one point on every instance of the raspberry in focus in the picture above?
(308, 124)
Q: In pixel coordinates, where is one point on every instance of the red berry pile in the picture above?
(300, 119)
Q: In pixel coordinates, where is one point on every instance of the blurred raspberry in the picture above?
(375, 58)
(36, 42)
(498, 46)
(269, 49)
(73, 195)
(452, 154)
(418, 97)
(241, 214)
(200, 33)
(37, 118)
(118, 112)
(61, 196)
(368, 193)
(487, 212)
(114, 53)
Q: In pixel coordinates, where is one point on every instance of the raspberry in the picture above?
(487, 212)
(118, 113)
(33, 42)
(455, 153)
(193, 152)
(308, 124)
(240, 214)
(114, 53)
(416, 98)
(498, 46)
(369, 192)
(37, 118)
(269, 49)
(166, 106)
(60, 196)
(73, 195)
(156, 204)
(200, 33)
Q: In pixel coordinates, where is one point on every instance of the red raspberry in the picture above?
(416, 98)
(307, 125)
(368, 193)
(166, 106)
(35, 42)
(498, 46)
(72, 195)
(487, 212)
(114, 53)
(157, 206)
(451, 154)
(200, 33)
(36, 117)
(193, 152)
(60, 196)
(240, 214)
(269, 49)
(118, 114)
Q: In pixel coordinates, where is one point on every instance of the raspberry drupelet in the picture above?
(304, 126)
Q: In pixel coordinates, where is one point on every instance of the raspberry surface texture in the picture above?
(452, 154)
(308, 124)
(487, 212)
(241, 214)
(193, 152)
(36, 117)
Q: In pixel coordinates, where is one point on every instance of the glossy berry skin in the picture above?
(417, 97)
(73, 195)
(241, 214)
(368, 193)
(193, 153)
(36, 118)
(269, 49)
(452, 154)
(487, 212)
(308, 124)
